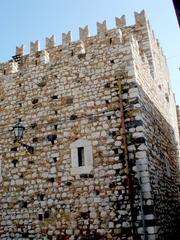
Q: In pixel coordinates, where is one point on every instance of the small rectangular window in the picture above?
(81, 156)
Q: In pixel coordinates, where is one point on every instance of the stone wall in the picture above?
(73, 96)
(98, 94)
(178, 117)
(158, 166)
(162, 157)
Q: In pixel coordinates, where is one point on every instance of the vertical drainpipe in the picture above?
(129, 178)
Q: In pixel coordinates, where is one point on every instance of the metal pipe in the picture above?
(129, 178)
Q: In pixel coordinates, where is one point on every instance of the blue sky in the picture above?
(23, 21)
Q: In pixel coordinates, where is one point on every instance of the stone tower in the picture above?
(98, 158)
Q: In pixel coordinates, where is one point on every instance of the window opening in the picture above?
(81, 156)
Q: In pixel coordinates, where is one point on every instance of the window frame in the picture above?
(88, 157)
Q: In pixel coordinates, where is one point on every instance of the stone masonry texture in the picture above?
(178, 116)
(112, 93)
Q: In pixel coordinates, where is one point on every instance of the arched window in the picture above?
(81, 157)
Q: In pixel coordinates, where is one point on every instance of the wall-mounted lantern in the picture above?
(18, 133)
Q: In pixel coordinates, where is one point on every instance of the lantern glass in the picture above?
(18, 131)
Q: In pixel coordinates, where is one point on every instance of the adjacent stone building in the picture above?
(98, 158)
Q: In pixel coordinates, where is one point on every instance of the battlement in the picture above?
(119, 35)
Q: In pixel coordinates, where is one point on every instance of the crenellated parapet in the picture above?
(119, 35)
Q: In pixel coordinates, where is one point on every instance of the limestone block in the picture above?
(151, 230)
(19, 182)
(53, 170)
(140, 154)
(152, 237)
(140, 129)
(117, 166)
(44, 57)
(131, 148)
(80, 49)
(50, 202)
(146, 187)
(118, 143)
(149, 217)
(138, 134)
(11, 67)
